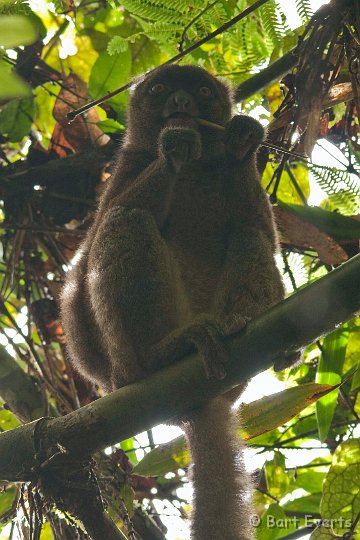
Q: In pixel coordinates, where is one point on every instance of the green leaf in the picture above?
(272, 411)
(6, 499)
(311, 479)
(323, 533)
(266, 439)
(165, 458)
(16, 30)
(46, 532)
(309, 504)
(110, 73)
(38, 25)
(274, 524)
(304, 425)
(286, 190)
(276, 477)
(329, 372)
(11, 85)
(341, 493)
(8, 420)
(342, 187)
(334, 224)
(16, 118)
(128, 447)
(353, 358)
(111, 126)
(117, 45)
(44, 103)
(146, 55)
(127, 494)
(355, 383)
(304, 9)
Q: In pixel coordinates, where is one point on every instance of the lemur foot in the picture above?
(288, 360)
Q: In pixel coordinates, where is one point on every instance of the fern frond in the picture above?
(342, 188)
(352, 155)
(216, 15)
(245, 45)
(154, 10)
(304, 9)
(272, 19)
(205, 21)
(163, 32)
(296, 272)
(218, 64)
(9, 7)
(181, 6)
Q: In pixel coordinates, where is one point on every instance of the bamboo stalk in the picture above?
(218, 127)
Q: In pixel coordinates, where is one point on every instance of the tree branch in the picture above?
(181, 387)
(267, 76)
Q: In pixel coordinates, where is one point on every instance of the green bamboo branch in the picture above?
(269, 75)
(175, 390)
(19, 391)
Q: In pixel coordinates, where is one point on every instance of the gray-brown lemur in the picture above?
(183, 239)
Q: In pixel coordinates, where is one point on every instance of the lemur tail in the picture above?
(221, 505)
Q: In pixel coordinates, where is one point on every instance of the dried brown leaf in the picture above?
(299, 232)
(83, 132)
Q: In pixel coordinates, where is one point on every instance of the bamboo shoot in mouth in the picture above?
(218, 127)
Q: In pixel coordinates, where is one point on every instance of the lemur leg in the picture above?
(84, 342)
(136, 295)
(131, 289)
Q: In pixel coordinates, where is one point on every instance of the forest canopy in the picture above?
(298, 72)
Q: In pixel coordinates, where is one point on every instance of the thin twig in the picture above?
(39, 228)
(295, 184)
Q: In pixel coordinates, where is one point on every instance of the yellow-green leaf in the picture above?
(272, 522)
(273, 411)
(323, 533)
(108, 74)
(329, 372)
(127, 494)
(341, 493)
(16, 30)
(11, 85)
(16, 118)
(165, 458)
(311, 478)
(277, 479)
(8, 420)
(287, 191)
(6, 499)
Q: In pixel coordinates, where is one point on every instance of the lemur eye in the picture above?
(158, 88)
(205, 91)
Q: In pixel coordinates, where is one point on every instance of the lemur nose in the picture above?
(182, 100)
